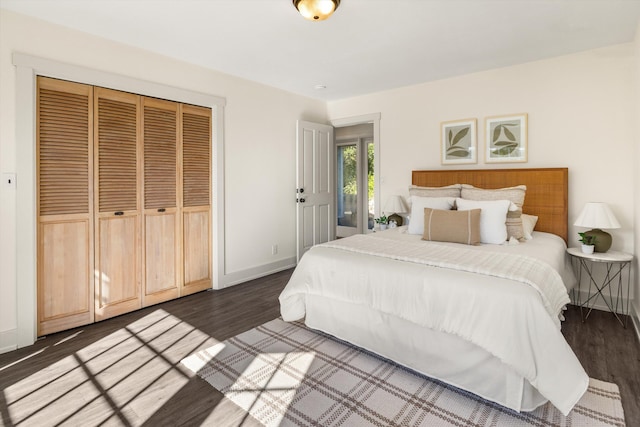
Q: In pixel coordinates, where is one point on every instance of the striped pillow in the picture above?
(452, 226)
(447, 191)
(513, 194)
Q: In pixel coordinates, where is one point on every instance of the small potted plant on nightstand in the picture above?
(382, 222)
(588, 243)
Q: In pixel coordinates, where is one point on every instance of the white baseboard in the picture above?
(8, 341)
(238, 277)
(600, 305)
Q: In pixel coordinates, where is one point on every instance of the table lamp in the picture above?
(597, 215)
(396, 205)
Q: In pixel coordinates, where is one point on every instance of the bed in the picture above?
(484, 318)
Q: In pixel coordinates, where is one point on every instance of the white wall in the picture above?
(259, 159)
(581, 115)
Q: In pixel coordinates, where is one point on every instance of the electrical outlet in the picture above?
(274, 249)
(9, 180)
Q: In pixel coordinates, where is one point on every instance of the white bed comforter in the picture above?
(506, 311)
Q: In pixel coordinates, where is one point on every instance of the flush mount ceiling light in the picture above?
(316, 10)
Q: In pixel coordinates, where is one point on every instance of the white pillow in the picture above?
(529, 224)
(416, 225)
(493, 218)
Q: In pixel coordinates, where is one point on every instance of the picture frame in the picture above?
(458, 142)
(506, 139)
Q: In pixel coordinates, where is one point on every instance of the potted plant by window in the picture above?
(588, 243)
(382, 222)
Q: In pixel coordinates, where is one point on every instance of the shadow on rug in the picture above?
(286, 374)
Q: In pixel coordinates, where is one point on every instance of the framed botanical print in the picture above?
(458, 142)
(506, 139)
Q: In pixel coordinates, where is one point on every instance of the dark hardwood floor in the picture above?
(126, 370)
(608, 352)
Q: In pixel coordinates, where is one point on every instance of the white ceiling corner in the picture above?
(366, 46)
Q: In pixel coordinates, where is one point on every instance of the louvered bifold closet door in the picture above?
(64, 140)
(162, 242)
(117, 162)
(196, 187)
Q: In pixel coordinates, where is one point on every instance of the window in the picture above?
(355, 186)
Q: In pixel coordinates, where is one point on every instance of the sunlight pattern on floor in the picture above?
(115, 372)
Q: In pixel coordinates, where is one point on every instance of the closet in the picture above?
(124, 202)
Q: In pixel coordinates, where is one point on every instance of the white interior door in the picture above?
(314, 185)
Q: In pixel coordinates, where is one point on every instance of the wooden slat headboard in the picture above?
(547, 190)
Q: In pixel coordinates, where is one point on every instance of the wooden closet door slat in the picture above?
(162, 242)
(196, 156)
(160, 153)
(118, 231)
(117, 155)
(196, 212)
(63, 154)
(64, 149)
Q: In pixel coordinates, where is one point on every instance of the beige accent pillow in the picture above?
(452, 226)
(448, 191)
(514, 194)
(529, 224)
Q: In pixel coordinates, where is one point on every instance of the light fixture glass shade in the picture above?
(597, 215)
(316, 10)
(396, 204)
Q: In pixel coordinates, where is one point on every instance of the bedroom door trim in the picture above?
(27, 68)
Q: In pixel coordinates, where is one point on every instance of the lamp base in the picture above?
(397, 218)
(603, 239)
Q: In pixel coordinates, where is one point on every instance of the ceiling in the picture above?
(366, 46)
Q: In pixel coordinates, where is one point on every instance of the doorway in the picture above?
(316, 178)
(355, 179)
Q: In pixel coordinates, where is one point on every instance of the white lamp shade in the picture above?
(396, 204)
(597, 215)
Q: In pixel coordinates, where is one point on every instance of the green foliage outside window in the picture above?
(350, 170)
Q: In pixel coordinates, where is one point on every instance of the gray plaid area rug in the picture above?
(285, 374)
